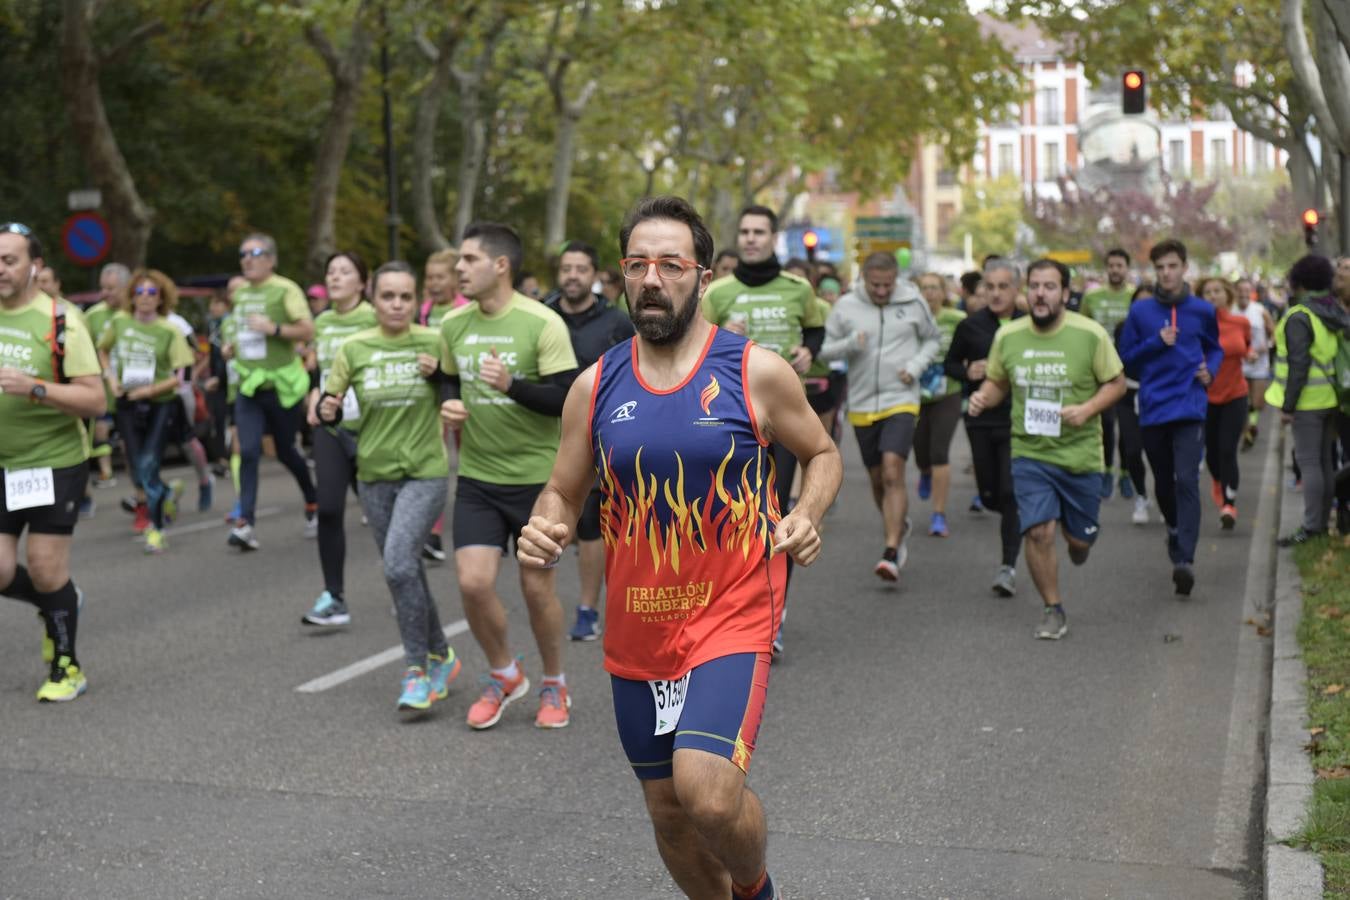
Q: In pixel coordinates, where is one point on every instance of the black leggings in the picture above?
(1109, 436)
(991, 453)
(254, 415)
(933, 435)
(1131, 442)
(335, 470)
(1224, 424)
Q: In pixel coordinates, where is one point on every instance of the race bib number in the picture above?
(351, 410)
(138, 371)
(669, 699)
(27, 488)
(252, 344)
(1041, 412)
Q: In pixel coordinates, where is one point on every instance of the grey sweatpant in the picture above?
(401, 514)
(1314, 444)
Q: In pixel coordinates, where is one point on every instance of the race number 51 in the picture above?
(669, 698)
(29, 488)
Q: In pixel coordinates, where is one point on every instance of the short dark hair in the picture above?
(1047, 263)
(988, 258)
(797, 263)
(498, 240)
(1312, 273)
(970, 281)
(675, 209)
(725, 253)
(1162, 248)
(581, 247)
(880, 262)
(755, 209)
(1116, 251)
(393, 267)
(356, 261)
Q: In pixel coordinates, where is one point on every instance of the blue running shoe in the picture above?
(440, 672)
(587, 627)
(1107, 486)
(925, 485)
(976, 504)
(937, 525)
(235, 514)
(328, 610)
(205, 494)
(416, 696)
(1126, 488)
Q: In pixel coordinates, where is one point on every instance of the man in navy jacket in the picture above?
(1170, 345)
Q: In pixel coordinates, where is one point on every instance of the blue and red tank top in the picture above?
(688, 511)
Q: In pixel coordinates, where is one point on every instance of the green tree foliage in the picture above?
(220, 110)
(991, 212)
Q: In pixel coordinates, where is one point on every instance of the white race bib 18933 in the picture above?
(669, 697)
(29, 488)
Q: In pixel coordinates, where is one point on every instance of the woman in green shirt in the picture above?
(149, 350)
(401, 466)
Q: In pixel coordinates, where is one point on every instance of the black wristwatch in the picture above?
(276, 332)
(38, 393)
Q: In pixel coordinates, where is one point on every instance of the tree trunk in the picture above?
(564, 155)
(129, 218)
(1333, 64)
(347, 71)
(429, 104)
(474, 132)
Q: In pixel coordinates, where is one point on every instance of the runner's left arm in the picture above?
(554, 518)
(783, 416)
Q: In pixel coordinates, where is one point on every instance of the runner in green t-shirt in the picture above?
(509, 360)
(271, 316)
(400, 463)
(939, 408)
(1062, 370)
(44, 452)
(1108, 306)
(776, 310)
(143, 352)
(334, 449)
(112, 286)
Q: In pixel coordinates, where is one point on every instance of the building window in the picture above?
(1005, 159)
(1047, 106)
(1218, 156)
(1176, 157)
(946, 177)
(946, 215)
(1260, 157)
(1050, 162)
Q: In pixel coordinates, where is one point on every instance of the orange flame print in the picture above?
(732, 516)
(709, 394)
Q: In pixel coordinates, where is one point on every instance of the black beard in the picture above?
(1042, 321)
(667, 328)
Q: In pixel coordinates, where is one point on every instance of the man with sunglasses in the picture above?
(773, 308)
(510, 361)
(271, 316)
(49, 382)
(679, 423)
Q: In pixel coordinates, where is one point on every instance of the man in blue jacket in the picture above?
(1170, 344)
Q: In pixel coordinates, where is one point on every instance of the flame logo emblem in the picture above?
(709, 394)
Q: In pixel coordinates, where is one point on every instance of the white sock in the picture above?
(559, 679)
(510, 673)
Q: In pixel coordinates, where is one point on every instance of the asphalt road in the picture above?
(918, 742)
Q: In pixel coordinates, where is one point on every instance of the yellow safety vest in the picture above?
(1319, 392)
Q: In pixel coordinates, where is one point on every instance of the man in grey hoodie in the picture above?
(885, 331)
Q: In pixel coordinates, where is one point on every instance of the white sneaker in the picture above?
(242, 536)
(1140, 514)
(312, 526)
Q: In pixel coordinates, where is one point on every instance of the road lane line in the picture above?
(208, 524)
(1244, 754)
(370, 663)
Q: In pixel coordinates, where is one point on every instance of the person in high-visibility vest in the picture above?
(1303, 389)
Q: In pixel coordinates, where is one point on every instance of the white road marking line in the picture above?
(370, 663)
(208, 524)
(1244, 754)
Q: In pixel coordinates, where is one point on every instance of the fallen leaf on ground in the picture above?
(1332, 689)
(1334, 773)
(1316, 730)
(1329, 612)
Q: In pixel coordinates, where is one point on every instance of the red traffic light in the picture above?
(1133, 101)
(1311, 218)
(810, 240)
(1133, 80)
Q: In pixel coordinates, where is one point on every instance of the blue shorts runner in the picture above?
(723, 708)
(1049, 493)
